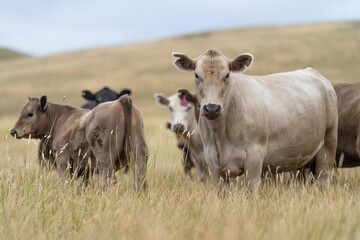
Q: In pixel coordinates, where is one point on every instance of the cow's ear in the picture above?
(43, 103)
(125, 91)
(241, 63)
(88, 95)
(183, 62)
(161, 99)
(185, 93)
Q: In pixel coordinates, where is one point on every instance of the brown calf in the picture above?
(101, 140)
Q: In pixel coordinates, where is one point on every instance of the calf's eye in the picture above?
(29, 115)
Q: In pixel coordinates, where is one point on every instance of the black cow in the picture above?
(104, 95)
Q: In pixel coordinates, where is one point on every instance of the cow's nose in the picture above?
(211, 111)
(13, 132)
(181, 145)
(179, 128)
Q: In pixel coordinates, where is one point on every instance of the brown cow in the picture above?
(184, 110)
(45, 157)
(101, 140)
(348, 144)
(250, 124)
(349, 126)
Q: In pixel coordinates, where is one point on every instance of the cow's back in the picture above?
(105, 124)
(288, 112)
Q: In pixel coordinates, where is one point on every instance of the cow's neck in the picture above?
(56, 115)
(216, 132)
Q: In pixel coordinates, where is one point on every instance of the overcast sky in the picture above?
(45, 27)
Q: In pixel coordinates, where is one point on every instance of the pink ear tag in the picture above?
(184, 102)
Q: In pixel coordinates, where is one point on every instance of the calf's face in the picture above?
(212, 75)
(182, 110)
(31, 122)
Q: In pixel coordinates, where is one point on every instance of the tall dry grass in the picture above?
(37, 204)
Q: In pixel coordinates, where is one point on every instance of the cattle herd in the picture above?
(234, 124)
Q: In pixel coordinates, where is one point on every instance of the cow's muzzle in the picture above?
(14, 133)
(181, 145)
(178, 128)
(211, 111)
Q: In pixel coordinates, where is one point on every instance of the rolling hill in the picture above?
(332, 48)
(8, 54)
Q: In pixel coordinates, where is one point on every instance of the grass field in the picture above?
(37, 204)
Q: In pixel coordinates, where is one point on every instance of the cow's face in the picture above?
(32, 119)
(212, 75)
(182, 107)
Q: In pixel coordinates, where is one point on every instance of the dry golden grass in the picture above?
(36, 204)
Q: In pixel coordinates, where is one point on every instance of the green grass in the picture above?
(37, 204)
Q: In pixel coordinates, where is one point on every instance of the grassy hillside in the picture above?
(36, 204)
(147, 68)
(8, 54)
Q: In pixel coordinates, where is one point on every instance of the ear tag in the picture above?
(184, 102)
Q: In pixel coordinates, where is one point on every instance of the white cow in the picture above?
(184, 110)
(254, 123)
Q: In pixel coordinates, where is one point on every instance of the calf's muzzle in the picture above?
(13, 133)
(178, 128)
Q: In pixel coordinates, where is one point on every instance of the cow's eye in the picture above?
(29, 115)
(198, 79)
(171, 109)
(226, 77)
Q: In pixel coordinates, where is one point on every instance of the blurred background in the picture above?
(59, 48)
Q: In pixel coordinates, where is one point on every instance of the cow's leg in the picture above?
(201, 169)
(223, 183)
(42, 153)
(105, 169)
(139, 152)
(45, 156)
(358, 145)
(62, 163)
(204, 173)
(325, 157)
(187, 162)
(103, 147)
(253, 166)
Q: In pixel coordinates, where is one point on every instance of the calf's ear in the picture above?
(185, 93)
(43, 103)
(161, 99)
(241, 63)
(88, 95)
(183, 62)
